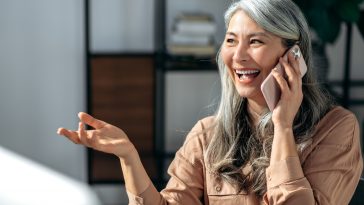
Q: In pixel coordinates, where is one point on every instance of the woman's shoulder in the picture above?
(207, 122)
(339, 111)
(201, 131)
(338, 126)
(197, 139)
(337, 116)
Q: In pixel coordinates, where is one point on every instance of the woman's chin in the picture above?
(246, 93)
(255, 95)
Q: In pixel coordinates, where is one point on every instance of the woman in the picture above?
(306, 151)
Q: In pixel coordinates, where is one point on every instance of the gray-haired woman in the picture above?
(305, 151)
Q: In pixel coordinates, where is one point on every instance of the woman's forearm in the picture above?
(286, 183)
(283, 145)
(135, 176)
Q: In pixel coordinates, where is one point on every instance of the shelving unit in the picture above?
(106, 75)
(175, 68)
(120, 91)
(157, 65)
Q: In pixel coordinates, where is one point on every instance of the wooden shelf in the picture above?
(106, 168)
(123, 95)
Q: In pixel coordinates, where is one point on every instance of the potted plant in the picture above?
(326, 17)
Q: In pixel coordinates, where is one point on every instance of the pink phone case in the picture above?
(270, 87)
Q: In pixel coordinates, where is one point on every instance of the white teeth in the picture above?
(246, 72)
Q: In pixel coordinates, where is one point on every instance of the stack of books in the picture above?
(193, 34)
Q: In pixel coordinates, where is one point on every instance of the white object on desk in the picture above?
(25, 182)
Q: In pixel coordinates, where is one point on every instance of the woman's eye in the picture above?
(230, 40)
(255, 41)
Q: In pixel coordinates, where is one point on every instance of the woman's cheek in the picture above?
(226, 55)
(227, 59)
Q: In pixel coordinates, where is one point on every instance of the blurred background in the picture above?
(146, 66)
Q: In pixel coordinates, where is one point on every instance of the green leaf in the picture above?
(304, 5)
(323, 3)
(358, 2)
(326, 23)
(360, 23)
(348, 11)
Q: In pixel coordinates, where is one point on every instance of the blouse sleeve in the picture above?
(330, 173)
(186, 183)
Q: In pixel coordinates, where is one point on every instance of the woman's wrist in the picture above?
(283, 144)
(283, 129)
(135, 176)
(132, 156)
(280, 124)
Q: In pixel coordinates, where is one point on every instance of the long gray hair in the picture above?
(236, 142)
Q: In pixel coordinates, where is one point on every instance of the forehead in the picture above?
(240, 23)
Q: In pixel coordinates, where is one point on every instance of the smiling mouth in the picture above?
(247, 74)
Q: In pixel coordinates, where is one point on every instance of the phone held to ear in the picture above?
(270, 87)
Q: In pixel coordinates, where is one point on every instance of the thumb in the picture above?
(89, 120)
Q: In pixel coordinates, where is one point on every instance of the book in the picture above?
(190, 39)
(195, 27)
(194, 16)
(193, 35)
(194, 50)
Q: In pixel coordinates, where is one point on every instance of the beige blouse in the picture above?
(326, 172)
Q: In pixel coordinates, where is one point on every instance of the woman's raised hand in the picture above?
(105, 137)
(291, 95)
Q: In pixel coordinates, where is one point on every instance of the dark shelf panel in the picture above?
(353, 83)
(189, 63)
(120, 54)
(107, 168)
(351, 102)
(170, 63)
(356, 102)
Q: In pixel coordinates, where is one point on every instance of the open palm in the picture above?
(105, 137)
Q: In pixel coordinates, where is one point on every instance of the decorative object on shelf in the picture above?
(192, 34)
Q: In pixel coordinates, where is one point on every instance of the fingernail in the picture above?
(296, 53)
(275, 71)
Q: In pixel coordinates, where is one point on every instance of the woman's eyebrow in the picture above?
(263, 34)
(231, 33)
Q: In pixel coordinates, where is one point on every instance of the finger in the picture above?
(82, 132)
(282, 83)
(293, 77)
(71, 135)
(89, 120)
(293, 58)
(288, 68)
(83, 135)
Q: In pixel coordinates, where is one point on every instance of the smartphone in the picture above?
(270, 87)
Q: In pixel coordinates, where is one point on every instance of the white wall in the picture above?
(42, 80)
(190, 96)
(122, 25)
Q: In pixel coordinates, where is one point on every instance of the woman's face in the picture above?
(250, 53)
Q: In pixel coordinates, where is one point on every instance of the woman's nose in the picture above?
(241, 53)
